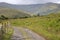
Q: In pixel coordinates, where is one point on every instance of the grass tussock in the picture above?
(5, 31)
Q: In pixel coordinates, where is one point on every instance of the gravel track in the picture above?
(25, 34)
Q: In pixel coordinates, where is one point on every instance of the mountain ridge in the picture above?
(41, 9)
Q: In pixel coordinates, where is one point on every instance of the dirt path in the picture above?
(25, 34)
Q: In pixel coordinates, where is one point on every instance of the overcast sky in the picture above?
(29, 1)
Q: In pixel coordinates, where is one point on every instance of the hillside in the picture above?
(49, 8)
(41, 9)
(47, 26)
(12, 13)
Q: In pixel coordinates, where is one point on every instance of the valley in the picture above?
(30, 22)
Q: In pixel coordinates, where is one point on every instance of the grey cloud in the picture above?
(28, 1)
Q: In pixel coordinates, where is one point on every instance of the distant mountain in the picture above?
(11, 13)
(41, 9)
(28, 8)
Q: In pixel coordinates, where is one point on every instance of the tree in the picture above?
(3, 17)
(38, 14)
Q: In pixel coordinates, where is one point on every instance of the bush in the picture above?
(3, 17)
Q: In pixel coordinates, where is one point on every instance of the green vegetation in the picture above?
(47, 26)
(3, 17)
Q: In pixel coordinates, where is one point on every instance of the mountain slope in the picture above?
(46, 26)
(11, 13)
(49, 8)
